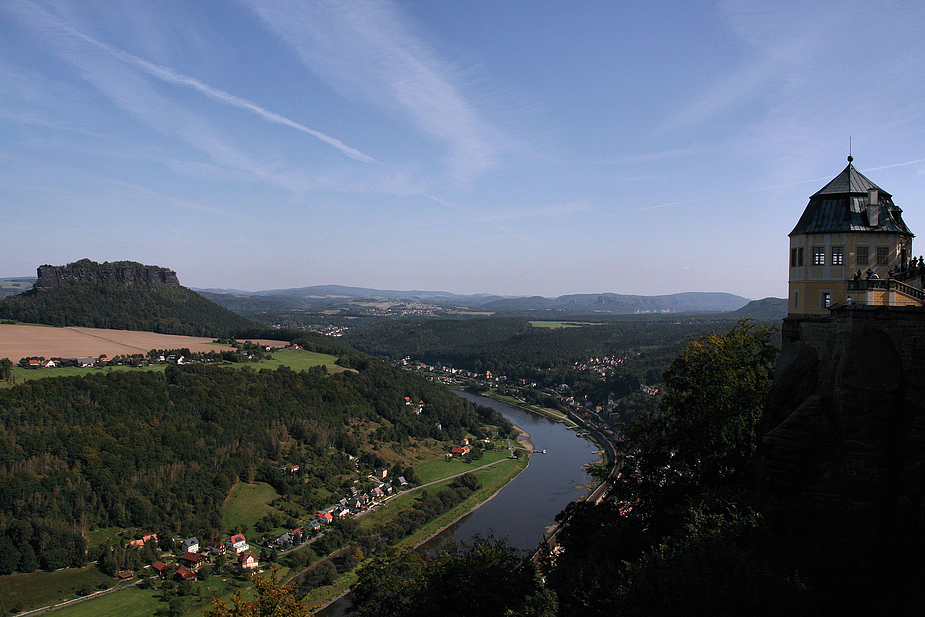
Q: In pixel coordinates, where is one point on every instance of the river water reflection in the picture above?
(524, 509)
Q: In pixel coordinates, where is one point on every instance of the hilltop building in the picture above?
(841, 449)
(852, 242)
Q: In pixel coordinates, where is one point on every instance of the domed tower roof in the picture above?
(851, 202)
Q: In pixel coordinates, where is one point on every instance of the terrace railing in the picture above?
(863, 285)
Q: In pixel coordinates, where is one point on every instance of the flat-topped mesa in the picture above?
(119, 272)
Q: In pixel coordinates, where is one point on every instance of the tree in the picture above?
(705, 555)
(6, 369)
(273, 600)
(176, 606)
(705, 428)
(487, 577)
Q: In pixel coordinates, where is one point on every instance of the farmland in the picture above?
(23, 341)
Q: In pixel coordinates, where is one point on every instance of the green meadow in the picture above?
(296, 359)
(563, 324)
(247, 504)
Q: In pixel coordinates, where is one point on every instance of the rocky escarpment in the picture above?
(842, 451)
(117, 272)
(122, 295)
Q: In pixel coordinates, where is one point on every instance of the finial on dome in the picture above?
(850, 158)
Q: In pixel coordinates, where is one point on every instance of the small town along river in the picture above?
(526, 507)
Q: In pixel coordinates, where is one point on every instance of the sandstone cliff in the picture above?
(842, 449)
(118, 272)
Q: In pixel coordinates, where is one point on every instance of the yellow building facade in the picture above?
(852, 247)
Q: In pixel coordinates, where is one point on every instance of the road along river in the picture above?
(524, 510)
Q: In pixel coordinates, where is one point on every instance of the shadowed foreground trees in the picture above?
(679, 534)
(705, 428)
(485, 578)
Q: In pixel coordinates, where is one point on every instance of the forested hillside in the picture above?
(547, 356)
(161, 451)
(122, 296)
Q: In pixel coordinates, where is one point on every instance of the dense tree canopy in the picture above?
(161, 308)
(548, 357)
(485, 577)
(706, 425)
(161, 450)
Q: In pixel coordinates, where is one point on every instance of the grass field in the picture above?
(137, 602)
(15, 286)
(492, 480)
(296, 359)
(28, 591)
(299, 360)
(247, 504)
(563, 324)
(440, 468)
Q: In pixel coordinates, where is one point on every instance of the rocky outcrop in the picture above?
(842, 449)
(118, 272)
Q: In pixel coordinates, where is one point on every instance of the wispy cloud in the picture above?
(906, 164)
(173, 77)
(367, 49)
(170, 76)
(779, 39)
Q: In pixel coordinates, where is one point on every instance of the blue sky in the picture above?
(517, 147)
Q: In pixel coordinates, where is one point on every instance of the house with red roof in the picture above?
(247, 561)
(185, 574)
(160, 567)
(193, 559)
(140, 542)
(237, 544)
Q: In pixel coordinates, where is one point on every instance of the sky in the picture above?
(516, 148)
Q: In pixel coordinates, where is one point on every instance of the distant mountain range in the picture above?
(612, 303)
(318, 296)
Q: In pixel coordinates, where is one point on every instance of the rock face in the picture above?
(842, 450)
(119, 272)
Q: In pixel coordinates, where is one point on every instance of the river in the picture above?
(527, 506)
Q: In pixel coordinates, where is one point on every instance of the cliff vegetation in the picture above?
(122, 296)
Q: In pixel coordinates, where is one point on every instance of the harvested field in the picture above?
(20, 341)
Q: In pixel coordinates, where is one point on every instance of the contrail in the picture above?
(165, 74)
(897, 165)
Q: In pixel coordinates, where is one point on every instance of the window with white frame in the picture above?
(818, 255)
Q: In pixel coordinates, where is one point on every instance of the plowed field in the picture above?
(18, 341)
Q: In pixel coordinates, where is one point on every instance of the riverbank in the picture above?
(552, 414)
(434, 528)
(552, 481)
(481, 502)
(524, 439)
(607, 453)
